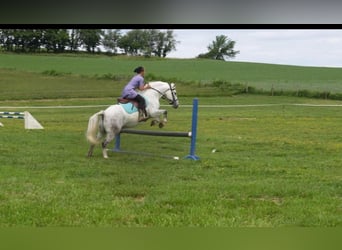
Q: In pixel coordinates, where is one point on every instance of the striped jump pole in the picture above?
(192, 134)
(29, 121)
(12, 115)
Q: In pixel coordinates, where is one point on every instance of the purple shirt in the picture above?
(129, 90)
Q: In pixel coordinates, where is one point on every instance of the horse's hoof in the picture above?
(154, 122)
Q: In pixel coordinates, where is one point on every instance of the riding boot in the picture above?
(143, 116)
(145, 112)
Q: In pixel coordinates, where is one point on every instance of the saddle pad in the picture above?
(129, 107)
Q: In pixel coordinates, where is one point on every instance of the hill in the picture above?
(258, 77)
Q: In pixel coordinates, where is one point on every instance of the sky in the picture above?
(300, 47)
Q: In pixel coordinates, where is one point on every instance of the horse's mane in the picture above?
(158, 86)
(155, 83)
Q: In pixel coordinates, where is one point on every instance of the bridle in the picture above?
(164, 96)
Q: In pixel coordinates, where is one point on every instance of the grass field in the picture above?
(275, 165)
(261, 76)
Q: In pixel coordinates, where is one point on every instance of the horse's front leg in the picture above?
(160, 117)
(164, 121)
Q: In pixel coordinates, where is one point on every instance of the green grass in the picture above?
(261, 76)
(276, 165)
(23, 85)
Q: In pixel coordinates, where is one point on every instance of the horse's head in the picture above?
(172, 95)
(167, 91)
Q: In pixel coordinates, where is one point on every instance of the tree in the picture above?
(29, 40)
(134, 42)
(139, 42)
(220, 49)
(21, 40)
(74, 39)
(164, 43)
(150, 42)
(56, 40)
(110, 40)
(7, 39)
(91, 38)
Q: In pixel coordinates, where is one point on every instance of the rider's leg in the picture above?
(141, 103)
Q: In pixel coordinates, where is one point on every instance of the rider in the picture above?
(137, 82)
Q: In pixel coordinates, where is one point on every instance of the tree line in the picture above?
(138, 42)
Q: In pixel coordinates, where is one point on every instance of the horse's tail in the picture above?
(93, 127)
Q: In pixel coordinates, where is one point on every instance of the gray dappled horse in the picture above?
(109, 122)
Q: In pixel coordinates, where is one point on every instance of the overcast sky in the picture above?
(310, 47)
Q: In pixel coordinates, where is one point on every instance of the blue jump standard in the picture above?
(192, 154)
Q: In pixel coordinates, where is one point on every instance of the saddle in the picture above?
(125, 101)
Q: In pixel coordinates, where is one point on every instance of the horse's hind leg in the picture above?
(109, 138)
(90, 151)
(92, 146)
